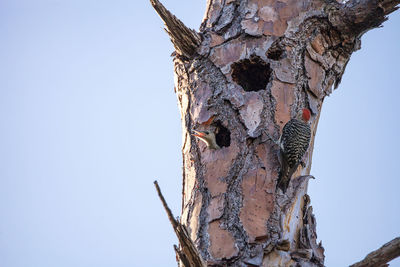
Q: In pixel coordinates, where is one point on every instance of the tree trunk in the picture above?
(251, 68)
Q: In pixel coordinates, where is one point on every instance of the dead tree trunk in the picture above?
(253, 65)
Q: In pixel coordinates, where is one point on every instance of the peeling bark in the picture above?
(259, 62)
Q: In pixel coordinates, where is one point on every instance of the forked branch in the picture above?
(381, 256)
(185, 40)
(188, 254)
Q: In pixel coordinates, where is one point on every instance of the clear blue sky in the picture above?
(88, 119)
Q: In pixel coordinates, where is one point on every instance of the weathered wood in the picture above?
(185, 40)
(188, 254)
(258, 64)
(356, 17)
(381, 256)
(230, 205)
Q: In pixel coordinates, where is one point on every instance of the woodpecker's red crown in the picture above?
(306, 114)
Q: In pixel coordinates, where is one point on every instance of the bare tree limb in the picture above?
(381, 256)
(185, 40)
(188, 254)
(167, 209)
(355, 17)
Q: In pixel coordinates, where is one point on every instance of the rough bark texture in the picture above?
(258, 64)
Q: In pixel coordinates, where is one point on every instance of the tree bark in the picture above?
(252, 67)
(381, 256)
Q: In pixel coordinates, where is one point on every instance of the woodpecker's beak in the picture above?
(198, 133)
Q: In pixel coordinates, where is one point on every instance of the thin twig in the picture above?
(167, 209)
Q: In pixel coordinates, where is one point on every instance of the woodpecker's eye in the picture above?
(207, 133)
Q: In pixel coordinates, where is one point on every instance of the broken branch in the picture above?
(185, 40)
(381, 256)
(188, 254)
(355, 17)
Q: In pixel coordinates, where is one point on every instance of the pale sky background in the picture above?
(88, 119)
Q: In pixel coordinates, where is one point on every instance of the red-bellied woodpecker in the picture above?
(294, 141)
(207, 137)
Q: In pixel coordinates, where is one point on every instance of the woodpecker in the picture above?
(207, 137)
(293, 143)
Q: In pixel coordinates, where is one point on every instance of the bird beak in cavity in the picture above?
(198, 133)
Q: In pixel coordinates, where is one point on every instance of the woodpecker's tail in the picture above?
(283, 182)
(284, 177)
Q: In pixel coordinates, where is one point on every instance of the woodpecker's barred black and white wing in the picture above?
(294, 143)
